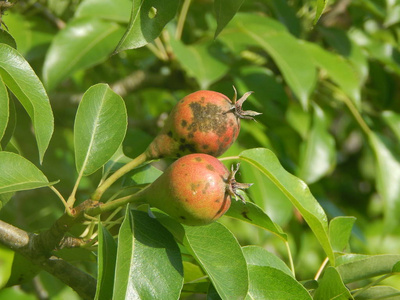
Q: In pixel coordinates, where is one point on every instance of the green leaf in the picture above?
(331, 286)
(297, 192)
(100, 127)
(113, 10)
(18, 174)
(340, 231)
(321, 4)
(4, 198)
(20, 78)
(81, 44)
(225, 10)
(107, 254)
(218, 252)
(200, 61)
(4, 112)
(354, 267)
(387, 178)
(6, 261)
(378, 292)
(339, 70)
(12, 123)
(148, 19)
(149, 263)
(289, 55)
(392, 119)
(6, 38)
(270, 284)
(251, 213)
(259, 256)
(318, 154)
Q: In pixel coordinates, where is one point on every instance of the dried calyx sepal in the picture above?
(237, 110)
(233, 185)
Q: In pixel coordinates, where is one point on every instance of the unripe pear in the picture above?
(202, 122)
(195, 190)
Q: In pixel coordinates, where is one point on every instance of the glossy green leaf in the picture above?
(253, 214)
(225, 10)
(6, 261)
(81, 44)
(297, 192)
(12, 122)
(393, 120)
(292, 59)
(149, 263)
(18, 174)
(378, 292)
(338, 69)
(6, 38)
(270, 284)
(148, 19)
(5, 111)
(340, 231)
(353, 267)
(20, 78)
(100, 127)
(387, 178)
(259, 256)
(331, 286)
(218, 252)
(107, 254)
(113, 10)
(318, 154)
(200, 61)
(321, 5)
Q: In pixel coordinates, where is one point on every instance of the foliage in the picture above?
(86, 85)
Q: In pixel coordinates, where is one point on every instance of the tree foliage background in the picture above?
(325, 75)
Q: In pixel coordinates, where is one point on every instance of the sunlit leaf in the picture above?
(149, 263)
(18, 174)
(321, 4)
(393, 120)
(113, 10)
(6, 261)
(225, 10)
(297, 192)
(20, 78)
(100, 127)
(213, 246)
(331, 286)
(340, 231)
(148, 19)
(4, 112)
(81, 44)
(378, 292)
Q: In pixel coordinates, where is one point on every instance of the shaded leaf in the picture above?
(99, 129)
(4, 112)
(331, 286)
(271, 284)
(20, 78)
(149, 263)
(4, 198)
(259, 256)
(12, 122)
(107, 254)
(393, 120)
(357, 267)
(113, 10)
(340, 231)
(18, 174)
(81, 44)
(225, 10)
(200, 61)
(290, 56)
(318, 154)
(6, 261)
(321, 4)
(251, 213)
(378, 292)
(148, 19)
(6, 38)
(387, 178)
(213, 246)
(297, 192)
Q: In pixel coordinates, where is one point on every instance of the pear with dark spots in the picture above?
(195, 190)
(202, 122)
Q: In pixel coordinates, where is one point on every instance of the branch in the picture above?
(24, 243)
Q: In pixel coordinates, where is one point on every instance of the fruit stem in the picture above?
(141, 159)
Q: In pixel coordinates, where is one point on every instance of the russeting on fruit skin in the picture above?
(202, 122)
(195, 190)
